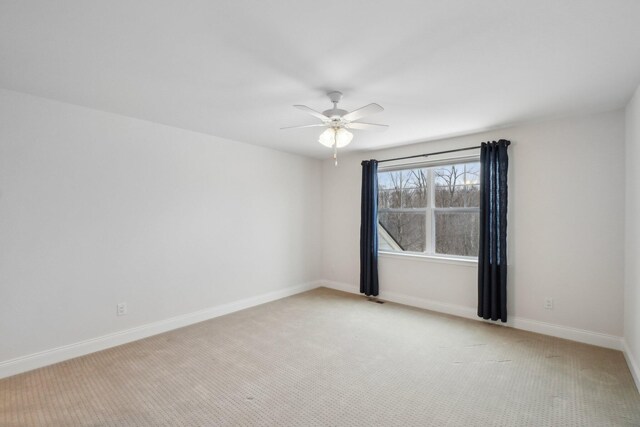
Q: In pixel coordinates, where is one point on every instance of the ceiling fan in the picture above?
(338, 121)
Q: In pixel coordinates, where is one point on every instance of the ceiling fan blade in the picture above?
(304, 126)
(362, 112)
(367, 126)
(313, 112)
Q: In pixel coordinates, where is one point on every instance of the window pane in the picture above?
(414, 197)
(402, 231)
(385, 199)
(457, 233)
(472, 196)
(403, 189)
(457, 186)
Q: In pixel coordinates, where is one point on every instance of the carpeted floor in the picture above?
(330, 358)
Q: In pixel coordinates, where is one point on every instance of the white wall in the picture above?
(97, 208)
(566, 190)
(632, 234)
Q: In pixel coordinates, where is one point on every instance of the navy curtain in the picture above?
(369, 229)
(492, 256)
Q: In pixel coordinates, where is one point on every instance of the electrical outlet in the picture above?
(548, 303)
(121, 309)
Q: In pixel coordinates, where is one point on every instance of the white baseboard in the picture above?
(59, 354)
(566, 332)
(456, 310)
(633, 365)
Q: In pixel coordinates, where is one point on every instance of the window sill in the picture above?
(430, 258)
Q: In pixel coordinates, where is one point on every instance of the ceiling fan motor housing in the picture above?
(335, 113)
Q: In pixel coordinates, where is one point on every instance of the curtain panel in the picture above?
(369, 229)
(492, 256)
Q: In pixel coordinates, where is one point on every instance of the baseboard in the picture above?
(70, 351)
(631, 361)
(59, 354)
(456, 310)
(566, 332)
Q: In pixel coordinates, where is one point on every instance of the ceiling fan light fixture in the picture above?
(339, 136)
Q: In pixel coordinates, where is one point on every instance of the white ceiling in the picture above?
(235, 68)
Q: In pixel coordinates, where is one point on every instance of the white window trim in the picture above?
(441, 259)
(430, 254)
(474, 158)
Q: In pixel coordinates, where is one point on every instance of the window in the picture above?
(431, 210)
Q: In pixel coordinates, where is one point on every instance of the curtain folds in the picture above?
(369, 229)
(492, 256)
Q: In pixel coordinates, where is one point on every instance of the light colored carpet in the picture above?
(330, 358)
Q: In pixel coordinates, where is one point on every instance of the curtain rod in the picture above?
(429, 154)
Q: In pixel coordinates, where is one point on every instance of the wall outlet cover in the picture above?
(548, 303)
(121, 309)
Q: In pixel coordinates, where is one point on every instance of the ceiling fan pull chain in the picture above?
(335, 153)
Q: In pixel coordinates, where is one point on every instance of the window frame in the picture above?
(430, 210)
